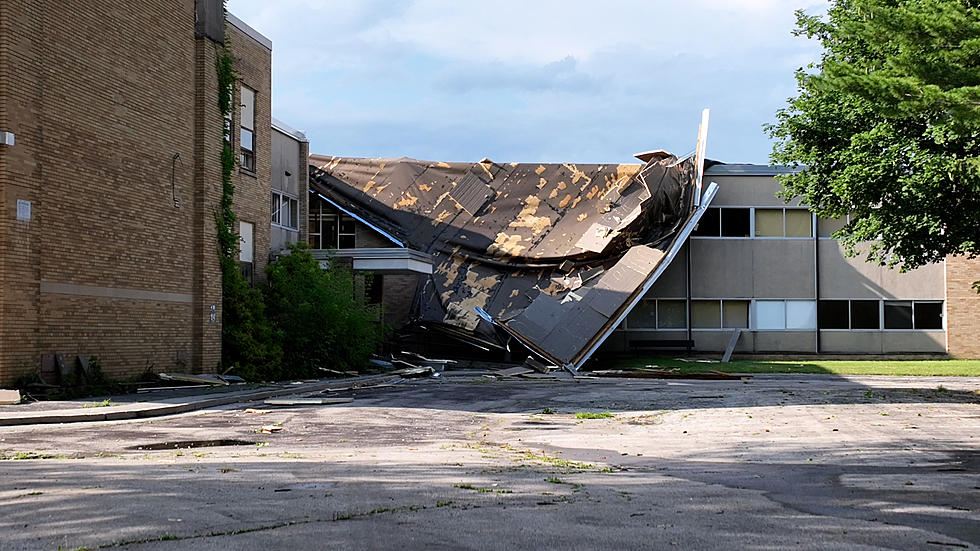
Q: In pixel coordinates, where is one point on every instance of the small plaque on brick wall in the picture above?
(23, 210)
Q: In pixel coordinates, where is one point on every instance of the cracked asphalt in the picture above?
(468, 462)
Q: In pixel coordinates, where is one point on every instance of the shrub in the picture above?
(250, 343)
(321, 320)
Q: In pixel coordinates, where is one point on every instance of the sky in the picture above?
(531, 81)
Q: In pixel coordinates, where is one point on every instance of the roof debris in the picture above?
(552, 255)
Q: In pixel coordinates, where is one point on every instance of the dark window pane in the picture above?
(735, 222)
(898, 314)
(832, 314)
(346, 242)
(293, 213)
(928, 315)
(643, 316)
(709, 225)
(671, 314)
(347, 224)
(865, 314)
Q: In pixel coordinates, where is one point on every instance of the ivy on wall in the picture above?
(249, 344)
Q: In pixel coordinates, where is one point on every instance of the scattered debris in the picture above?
(202, 378)
(306, 401)
(665, 374)
(9, 397)
(269, 429)
(512, 371)
(536, 365)
(257, 411)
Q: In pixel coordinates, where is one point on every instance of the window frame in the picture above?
(719, 211)
(285, 205)
(246, 156)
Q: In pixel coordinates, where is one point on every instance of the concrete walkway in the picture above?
(157, 403)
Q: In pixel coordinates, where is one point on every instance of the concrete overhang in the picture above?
(390, 260)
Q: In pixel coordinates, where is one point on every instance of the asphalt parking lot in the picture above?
(466, 461)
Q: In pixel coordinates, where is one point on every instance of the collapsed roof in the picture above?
(553, 255)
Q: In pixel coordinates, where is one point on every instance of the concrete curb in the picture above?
(170, 406)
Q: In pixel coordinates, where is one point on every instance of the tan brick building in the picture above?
(110, 177)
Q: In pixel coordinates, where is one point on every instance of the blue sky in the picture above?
(531, 81)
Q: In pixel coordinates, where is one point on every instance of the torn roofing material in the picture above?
(552, 254)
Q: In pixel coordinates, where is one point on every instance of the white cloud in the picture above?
(547, 80)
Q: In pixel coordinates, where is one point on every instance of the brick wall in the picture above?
(253, 63)
(118, 149)
(962, 307)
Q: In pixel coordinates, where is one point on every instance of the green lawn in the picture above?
(962, 368)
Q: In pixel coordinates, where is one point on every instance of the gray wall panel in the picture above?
(783, 268)
(842, 277)
(785, 341)
(722, 268)
(893, 342)
(747, 191)
(673, 282)
(850, 342)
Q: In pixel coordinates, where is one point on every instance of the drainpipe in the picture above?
(816, 277)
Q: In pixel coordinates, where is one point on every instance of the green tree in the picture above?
(886, 127)
(322, 320)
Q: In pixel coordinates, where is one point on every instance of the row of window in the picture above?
(755, 222)
(786, 315)
(285, 211)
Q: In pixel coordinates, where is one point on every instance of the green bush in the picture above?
(249, 341)
(321, 319)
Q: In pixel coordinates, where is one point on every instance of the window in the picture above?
(865, 314)
(927, 315)
(246, 249)
(643, 316)
(734, 314)
(285, 211)
(783, 223)
(671, 314)
(833, 314)
(799, 223)
(755, 222)
(719, 314)
(329, 229)
(898, 314)
(247, 143)
(710, 223)
(735, 222)
(778, 315)
(705, 314)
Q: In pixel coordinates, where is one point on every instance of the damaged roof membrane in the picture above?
(553, 254)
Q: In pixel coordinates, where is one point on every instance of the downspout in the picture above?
(816, 277)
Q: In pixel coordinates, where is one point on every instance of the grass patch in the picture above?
(593, 415)
(103, 404)
(949, 368)
(30, 455)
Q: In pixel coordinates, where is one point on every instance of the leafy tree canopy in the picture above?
(886, 127)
